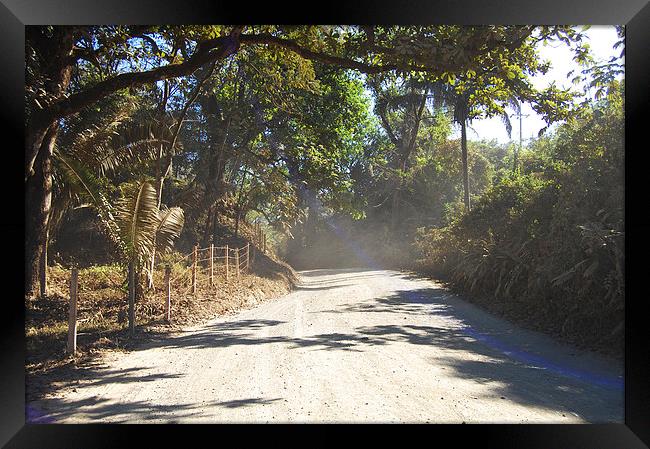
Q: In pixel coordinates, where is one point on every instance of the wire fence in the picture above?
(203, 264)
(197, 270)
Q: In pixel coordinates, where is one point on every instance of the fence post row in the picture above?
(74, 288)
(168, 303)
(72, 312)
(227, 257)
(237, 261)
(211, 264)
(194, 257)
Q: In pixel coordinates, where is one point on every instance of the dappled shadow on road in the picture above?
(95, 377)
(98, 409)
(533, 385)
(409, 302)
(331, 272)
(243, 333)
(423, 318)
(245, 402)
(338, 275)
(526, 380)
(96, 374)
(315, 287)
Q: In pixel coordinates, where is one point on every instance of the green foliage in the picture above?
(551, 235)
(325, 132)
(141, 225)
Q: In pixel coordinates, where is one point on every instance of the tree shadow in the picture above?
(408, 302)
(527, 379)
(245, 402)
(479, 350)
(315, 287)
(242, 333)
(333, 271)
(97, 409)
(334, 275)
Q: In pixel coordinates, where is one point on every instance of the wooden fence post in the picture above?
(211, 264)
(72, 312)
(237, 261)
(227, 257)
(194, 260)
(168, 287)
(132, 298)
(248, 255)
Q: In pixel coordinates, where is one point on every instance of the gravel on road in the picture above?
(348, 345)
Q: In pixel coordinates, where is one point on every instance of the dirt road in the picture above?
(348, 346)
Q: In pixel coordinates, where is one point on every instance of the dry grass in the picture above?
(103, 308)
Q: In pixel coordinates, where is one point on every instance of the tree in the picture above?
(71, 68)
(401, 107)
(142, 227)
(503, 81)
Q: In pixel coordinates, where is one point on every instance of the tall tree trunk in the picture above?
(406, 146)
(34, 135)
(160, 179)
(53, 53)
(54, 64)
(463, 146)
(239, 203)
(161, 174)
(43, 264)
(38, 202)
(395, 207)
(164, 171)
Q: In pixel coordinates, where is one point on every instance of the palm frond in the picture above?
(170, 225)
(505, 118)
(77, 177)
(129, 154)
(86, 142)
(83, 184)
(116, 145)
(137, 219)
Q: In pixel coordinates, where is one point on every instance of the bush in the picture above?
(548, 243)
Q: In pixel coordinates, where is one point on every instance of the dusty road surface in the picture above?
(348, 346)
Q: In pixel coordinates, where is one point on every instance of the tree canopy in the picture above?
(280, 124)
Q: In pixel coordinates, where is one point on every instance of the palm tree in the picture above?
(138, 224)
(86, 154)
(461, 116)
(142, 228)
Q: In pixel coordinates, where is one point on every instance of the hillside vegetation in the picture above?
(547, 243)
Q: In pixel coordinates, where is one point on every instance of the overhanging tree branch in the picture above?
(346, 63)
(218, 49)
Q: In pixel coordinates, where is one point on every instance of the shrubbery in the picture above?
(547, 242)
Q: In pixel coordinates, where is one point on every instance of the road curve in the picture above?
(348, 346)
